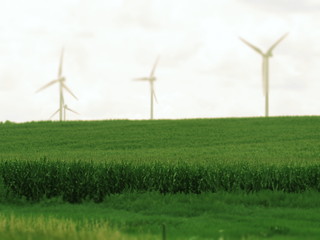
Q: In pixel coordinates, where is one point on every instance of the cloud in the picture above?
(204, 69)
(287, 6)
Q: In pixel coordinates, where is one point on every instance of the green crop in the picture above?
(91, 160)
(77, 181)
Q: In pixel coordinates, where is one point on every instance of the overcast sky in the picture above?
(204, 71)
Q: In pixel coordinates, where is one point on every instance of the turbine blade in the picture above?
(153, 92)
(69, 109)
(62, 99)
(154, 95)
(252, 46)
(141, 79)
(61, 63)
(54, 113)
(154, 67)
(47, 85)
(65, 87)
(277, 42)
(264, 80)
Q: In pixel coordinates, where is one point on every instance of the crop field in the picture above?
(93, 161)
(272, 140)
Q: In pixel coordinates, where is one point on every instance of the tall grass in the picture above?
(40, 227)
(78, 181)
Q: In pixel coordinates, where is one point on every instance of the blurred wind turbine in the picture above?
(151, 80)
(265, 68)
(65, 109)
(61, 80)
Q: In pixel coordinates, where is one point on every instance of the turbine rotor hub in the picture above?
(269, 54)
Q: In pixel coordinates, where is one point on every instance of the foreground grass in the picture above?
(46, 227)
(267, 214)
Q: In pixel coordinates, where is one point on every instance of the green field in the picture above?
(225, 140)
(248, 178)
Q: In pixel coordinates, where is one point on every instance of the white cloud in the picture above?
(285, 6)
(204, 70)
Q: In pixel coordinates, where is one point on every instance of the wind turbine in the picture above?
(265, 68)
(61, 80)
(151, 80)
(65, 109)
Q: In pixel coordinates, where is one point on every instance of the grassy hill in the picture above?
(81, 160)
(277, 140)
(258, 178)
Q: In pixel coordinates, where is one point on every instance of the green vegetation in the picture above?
(77, 181)
(42, 227)
(204, 178)
(270, 140)
(261, 215)
(90, 160)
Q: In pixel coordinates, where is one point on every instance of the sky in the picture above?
(204, 70)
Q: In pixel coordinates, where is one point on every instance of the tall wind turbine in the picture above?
(151, 80)
(265, 68)
(65, 109)
(61, 80)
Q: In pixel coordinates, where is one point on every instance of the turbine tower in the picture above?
(65, 109)
(265, 68)
(151, 80)
(61, 80)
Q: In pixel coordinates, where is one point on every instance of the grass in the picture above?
(200, 140)
(266, 214)
(258, 178)
(44, 227)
